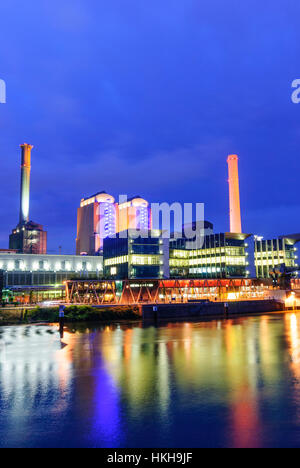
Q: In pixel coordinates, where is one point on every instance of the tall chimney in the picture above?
(234, 194)
(25, 182)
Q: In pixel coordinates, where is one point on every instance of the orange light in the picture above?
(234, 194)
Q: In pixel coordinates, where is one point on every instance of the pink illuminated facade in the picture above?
(134, 213)
(99, 217)
(96, 219)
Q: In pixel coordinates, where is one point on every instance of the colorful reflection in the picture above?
(225, 383)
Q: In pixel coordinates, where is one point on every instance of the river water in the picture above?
(233, 383)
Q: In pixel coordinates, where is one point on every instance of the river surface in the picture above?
(233, 383)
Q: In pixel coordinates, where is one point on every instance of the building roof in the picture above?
(293, 238)
(206, 224)
(95, 194)
(237, 236)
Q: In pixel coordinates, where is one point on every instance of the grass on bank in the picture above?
(73, 313)
(84, 314)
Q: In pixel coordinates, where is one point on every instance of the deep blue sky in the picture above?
(148, 97)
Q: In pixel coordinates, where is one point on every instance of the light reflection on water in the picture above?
(233, 383)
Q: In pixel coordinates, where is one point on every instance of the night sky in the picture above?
(149, 97)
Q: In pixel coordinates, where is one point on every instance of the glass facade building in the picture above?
(128, 256)
(222, 255)
(271, 254)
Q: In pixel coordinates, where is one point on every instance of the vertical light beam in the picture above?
(25, 182)
(234, 194)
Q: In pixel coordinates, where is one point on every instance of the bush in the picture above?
(44, 315)
(84, 313)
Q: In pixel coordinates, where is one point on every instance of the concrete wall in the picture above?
(86, 228)
(211, 309)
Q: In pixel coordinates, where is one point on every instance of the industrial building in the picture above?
(129, 256)
(28, 237)
(221, 255)
(134, 213)
(96, 219)
(27, 273)
(32, 278)
(99, 217)
(117, 245)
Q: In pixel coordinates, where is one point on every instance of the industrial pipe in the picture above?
(234, 194)
(25, 182)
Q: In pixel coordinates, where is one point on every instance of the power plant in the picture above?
(28, 237)
(103, 252)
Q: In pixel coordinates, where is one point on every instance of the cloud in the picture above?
(117, 173)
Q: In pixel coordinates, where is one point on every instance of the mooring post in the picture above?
(155, 313)
(61, 320)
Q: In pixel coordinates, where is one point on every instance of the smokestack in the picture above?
(234, 194)
(25, 182)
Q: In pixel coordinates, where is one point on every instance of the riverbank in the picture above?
(147, 312)
(72, 314)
